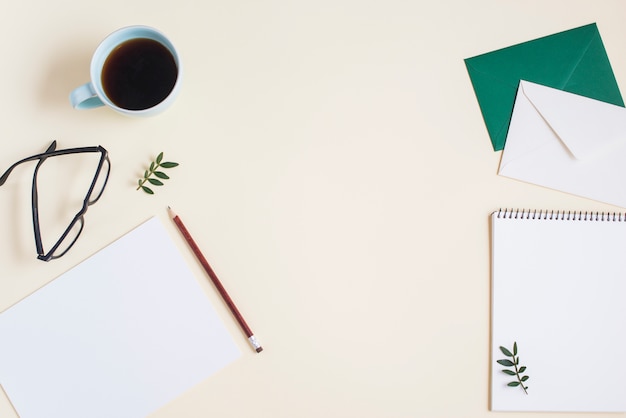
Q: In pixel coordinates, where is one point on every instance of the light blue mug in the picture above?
(135, 71)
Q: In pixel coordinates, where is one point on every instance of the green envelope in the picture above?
(574, 60)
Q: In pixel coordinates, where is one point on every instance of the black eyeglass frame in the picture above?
(88, 201)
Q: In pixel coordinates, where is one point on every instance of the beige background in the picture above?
(335, 169)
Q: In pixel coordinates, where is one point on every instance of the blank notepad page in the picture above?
(558, 296)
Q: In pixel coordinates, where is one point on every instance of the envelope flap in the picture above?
(590, 78)
(574, 60)
(585, 126)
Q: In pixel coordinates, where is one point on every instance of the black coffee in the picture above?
(139, 74)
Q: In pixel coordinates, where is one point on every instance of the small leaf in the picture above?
(515, 370)
(152, 176)
(506, 352)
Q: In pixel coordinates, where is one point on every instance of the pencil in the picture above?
(218, 285)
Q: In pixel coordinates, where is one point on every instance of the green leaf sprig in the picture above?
(154, 169)
(517, 369)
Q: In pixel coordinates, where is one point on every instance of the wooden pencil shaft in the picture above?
(216, 281)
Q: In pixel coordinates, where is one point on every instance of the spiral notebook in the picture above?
(558, 311)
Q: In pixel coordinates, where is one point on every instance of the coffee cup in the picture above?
(135, 71)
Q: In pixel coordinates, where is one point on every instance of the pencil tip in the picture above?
(259, 349)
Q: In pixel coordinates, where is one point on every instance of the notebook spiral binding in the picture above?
(561, 215)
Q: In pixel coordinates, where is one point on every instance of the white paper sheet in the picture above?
(120, 335)
(558, 291)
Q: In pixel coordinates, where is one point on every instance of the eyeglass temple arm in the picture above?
(5, 176)
(49, 153)
(41, 157)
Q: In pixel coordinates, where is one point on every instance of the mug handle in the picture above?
(85, 97)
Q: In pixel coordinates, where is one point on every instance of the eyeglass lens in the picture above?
(100, 181)
(96, 186)
(67, 240)
(69, 236)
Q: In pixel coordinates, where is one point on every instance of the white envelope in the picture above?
(567, 142)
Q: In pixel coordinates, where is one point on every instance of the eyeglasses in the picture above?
(72, 232)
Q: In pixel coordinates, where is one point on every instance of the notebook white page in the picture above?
(558, 290)
(119, 335)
